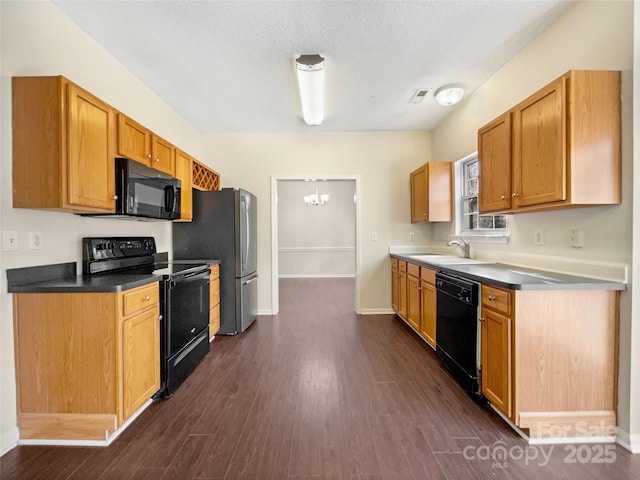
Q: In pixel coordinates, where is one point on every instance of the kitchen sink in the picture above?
(446, 260)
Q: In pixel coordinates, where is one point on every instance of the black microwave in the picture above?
(143, 193)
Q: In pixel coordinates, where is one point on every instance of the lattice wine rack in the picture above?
(204, 178)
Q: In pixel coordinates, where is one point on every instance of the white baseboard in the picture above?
(265, 312)
(316, 275)
(629, 441)
(9, 440)
(376, 311)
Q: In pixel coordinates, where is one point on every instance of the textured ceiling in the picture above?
(228, 66)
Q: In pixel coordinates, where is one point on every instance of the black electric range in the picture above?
(184, 299)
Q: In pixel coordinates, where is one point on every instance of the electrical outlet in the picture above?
(538, 237)
(9, 240)
(35, 240)
(576, 238)
(412, 236)
(374, 236)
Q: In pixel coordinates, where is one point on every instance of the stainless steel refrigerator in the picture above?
(224, 227)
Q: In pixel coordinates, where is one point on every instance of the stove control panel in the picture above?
(103, 248)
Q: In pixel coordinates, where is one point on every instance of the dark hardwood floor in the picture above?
(318, 392)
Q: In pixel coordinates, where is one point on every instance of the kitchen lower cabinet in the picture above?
(85, 362)
(394, 284)
(558, 148)
(413, 296)
(63, 147)
(549, 359)
(428, 305)
(214, 301)
(402, 289)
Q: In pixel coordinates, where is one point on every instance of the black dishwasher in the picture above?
(457, 329)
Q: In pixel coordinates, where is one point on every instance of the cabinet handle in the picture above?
(115, 197)
(157, 160)
(160, 317)
(482, 319)
(148, 155)
(503, 197)
(515, 195)
(491, 297)
(146, 298)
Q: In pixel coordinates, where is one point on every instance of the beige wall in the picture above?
(591, 35)
(382, 161)
(37, 39)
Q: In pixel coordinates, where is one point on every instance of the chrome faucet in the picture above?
(464, 246)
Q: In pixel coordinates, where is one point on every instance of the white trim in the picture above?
(628, 441)
(317, 275)
(9, 440)
(376, 311)
(315, 249)
(88, 443)
(265, 312)
(274, 234)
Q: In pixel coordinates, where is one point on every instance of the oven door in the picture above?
(188, 309)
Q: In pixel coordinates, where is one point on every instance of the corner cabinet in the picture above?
(85, 362)
(431, 193)
(549, 359)
(63, 147)
(559, 148)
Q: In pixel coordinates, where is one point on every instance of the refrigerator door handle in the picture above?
(252, 279)
(245, 244)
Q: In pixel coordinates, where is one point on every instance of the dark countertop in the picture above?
(516, 278)
(62, 278)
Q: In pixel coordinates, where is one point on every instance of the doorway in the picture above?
(314, 241)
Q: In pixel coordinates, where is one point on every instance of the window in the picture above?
(468, 221)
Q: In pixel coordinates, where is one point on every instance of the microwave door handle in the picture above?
(169, 198)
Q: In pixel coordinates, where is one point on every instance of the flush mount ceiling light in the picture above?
(449, 95)
(311, 82)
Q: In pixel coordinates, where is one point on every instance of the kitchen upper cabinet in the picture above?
(428, 305)
(134, 140)
(85, 362)
(559, 148)
(431, 193)
(184, 168)
(63, 147)
(142, 145)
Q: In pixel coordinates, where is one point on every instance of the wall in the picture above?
(382, 161)
(316, 241)
(37, 39)
(591, 35)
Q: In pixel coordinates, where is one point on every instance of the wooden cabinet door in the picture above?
(428, 313)
(439, 192)
(494, 161)
(184, 169)
(419, 195)
(402, 294)
(163, 156)
(140, 359)
(134, 141)
(394, 289)
(90, 169)
(413, 302)
(539, 157)
(496, 360)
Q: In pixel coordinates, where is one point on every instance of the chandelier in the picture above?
(316, 200)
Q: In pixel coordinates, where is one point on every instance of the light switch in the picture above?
(9, 240)
(374, 236)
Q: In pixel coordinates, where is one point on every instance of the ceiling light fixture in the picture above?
(449, 95)
(311, 82)
(316, 200)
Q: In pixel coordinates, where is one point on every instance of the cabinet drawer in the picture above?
(215, 271)
(497, 299)
(428, 275)
(140, 298)
(413, 269)
(394, 263)
(214, 290)
(402, 265)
